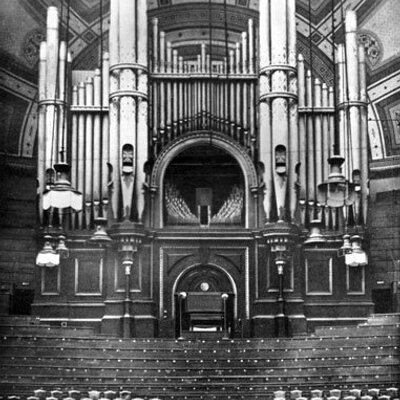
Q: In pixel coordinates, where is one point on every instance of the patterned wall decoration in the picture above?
(322, 66)
(198, 15)
(389, 114)
(373, 47)
(30, 46)
(18, 120)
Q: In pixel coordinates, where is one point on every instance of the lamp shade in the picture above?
(62, 195)
(356, 259)
(47, 257)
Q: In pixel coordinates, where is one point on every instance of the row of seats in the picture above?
(338, 394)
(315, 394)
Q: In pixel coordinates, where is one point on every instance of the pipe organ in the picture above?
(296, 149)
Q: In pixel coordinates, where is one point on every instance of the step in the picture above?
(13, 321)
(45, 331)
(384, 319)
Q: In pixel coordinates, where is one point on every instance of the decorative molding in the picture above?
(330, 277)
(373, 46)
(31, 44)
(247, 283)
(194, 139)
(100, 282)
(362, 291)
(43, 282)
(184, 15)
(161, 280)
(185, 270)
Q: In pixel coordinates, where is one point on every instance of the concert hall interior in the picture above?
(208, 181)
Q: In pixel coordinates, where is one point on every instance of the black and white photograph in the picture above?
(200, 199)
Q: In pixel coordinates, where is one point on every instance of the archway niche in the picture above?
(204, 186)
(205, 299)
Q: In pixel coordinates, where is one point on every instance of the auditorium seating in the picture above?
(338, 363)
(127, 395)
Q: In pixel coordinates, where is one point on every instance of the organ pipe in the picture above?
(302, 129)
(326, 140)
(265, 108)
(363, 134)
(81, 148)
(105, 139)
(318, 132)
(96, 143)
(352, 65)
(60, 145)
(52, 46)
(142, 124)
(41, 166)
(251, 45)
(88, 187)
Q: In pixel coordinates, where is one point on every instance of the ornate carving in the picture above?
(31, 44)
(372, 45)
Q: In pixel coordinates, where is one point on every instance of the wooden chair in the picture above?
(279, 394)
(295, 394)
(355, 392)
(335, 392)
(392, 392)
(94, 394)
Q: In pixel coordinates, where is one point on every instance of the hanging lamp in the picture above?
(62, 195)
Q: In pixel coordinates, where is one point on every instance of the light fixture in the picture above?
(62, 194)
(100, 236)
(346, 248)
(315, 237)
(357, 257)
(336, 191)
(48, 257)
(61, 248)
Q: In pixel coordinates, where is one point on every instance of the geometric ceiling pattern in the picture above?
(24, 25)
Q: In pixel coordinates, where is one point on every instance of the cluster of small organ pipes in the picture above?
(204, 94)
(179, 212)
(276, 110)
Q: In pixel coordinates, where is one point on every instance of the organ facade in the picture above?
(224, 192)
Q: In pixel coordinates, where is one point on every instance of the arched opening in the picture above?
(205, 299)
(204, 186)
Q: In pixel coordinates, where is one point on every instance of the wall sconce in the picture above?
(54, 249)
(61, 248)
(357, 257)
(346, 248)
(48, 257)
